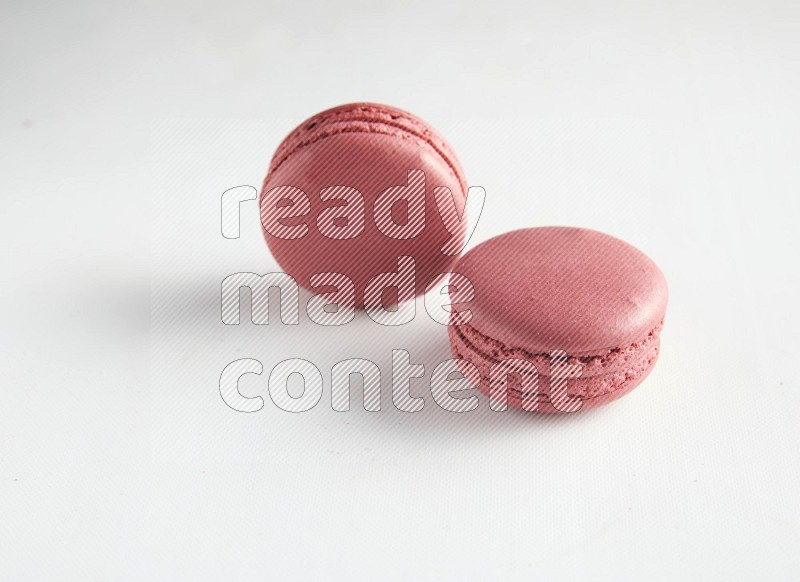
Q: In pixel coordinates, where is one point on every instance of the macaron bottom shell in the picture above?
(602, 384)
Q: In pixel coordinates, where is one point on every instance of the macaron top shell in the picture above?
(563, 288)
(367, 118)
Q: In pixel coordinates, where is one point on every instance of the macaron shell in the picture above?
(619, 359)
(367, 118)
(370, 161)
(593, 390)
(572, 289)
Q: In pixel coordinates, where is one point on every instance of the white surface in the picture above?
(672, 125)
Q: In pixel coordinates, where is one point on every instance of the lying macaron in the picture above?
(353, 189)
(563, 319)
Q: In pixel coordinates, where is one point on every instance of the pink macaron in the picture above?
(353, 189)
(562, 319)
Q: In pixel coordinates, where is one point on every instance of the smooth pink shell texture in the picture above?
(371, 148)
(596, 297)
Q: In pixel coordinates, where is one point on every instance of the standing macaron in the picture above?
(563, 319)
(362, 190)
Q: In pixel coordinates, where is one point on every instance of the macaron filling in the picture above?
(366, 118)
(602, 374)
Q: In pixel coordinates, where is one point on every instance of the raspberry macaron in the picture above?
(362, 191)
(562, 319)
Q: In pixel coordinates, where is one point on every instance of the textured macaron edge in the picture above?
(611, 375)
(592, 364)
(368, 118)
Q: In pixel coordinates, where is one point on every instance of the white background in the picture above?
(672, 125)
